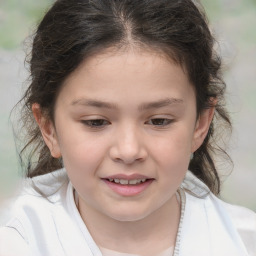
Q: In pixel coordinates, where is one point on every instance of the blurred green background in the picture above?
(233, 23)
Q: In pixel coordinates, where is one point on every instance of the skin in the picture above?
(146, 124)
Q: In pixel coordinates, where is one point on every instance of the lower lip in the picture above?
(128, 190)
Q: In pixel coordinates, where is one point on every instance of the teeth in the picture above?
(132, 182)
(126, 182)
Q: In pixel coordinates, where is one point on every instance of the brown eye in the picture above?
(160, 121)
(96, 123)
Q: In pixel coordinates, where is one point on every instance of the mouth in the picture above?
(127, 182)
(128, 185)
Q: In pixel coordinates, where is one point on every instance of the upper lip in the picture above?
(127, 177)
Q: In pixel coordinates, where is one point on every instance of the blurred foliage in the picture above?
(238, 17)
(17, 18)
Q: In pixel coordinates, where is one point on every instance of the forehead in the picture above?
(133, 72)
(150, 57)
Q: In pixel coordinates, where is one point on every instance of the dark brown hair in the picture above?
(72, 30)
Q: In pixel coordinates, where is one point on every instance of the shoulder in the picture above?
(215, 228)
(224, 222)
(48, 188)
(46, 185)
(33, 217)
(12, 243)
(244, 221)
(40, 195)
(37, 200)
(241, 216)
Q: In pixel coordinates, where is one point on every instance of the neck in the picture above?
(148, 236)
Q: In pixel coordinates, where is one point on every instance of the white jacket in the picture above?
(51, 224)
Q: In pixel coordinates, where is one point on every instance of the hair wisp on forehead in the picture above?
(73, 30)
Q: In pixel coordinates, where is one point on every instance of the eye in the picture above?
(96, 123)
(160, 121)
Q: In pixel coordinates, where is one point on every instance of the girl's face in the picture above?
(125, 125)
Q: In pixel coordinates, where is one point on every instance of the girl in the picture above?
(125, 97)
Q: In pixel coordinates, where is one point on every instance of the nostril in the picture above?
(117, 160)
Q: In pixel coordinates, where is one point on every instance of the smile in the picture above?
(128, 185)
(127, 182)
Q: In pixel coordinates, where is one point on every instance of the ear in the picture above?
(48, 131)
(202, 126)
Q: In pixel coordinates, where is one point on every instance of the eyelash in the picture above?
(96, 123)
(163, 121)
(100, 123)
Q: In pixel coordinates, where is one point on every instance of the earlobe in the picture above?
(202, 127)
(47, 130)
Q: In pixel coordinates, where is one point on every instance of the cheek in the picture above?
(81, 152)
(176, 146)
(82, 161)
(172, 155)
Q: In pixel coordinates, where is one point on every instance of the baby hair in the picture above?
(73, 30)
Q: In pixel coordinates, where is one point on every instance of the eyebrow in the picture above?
(145, 106)
(160, 103)
(94, 103)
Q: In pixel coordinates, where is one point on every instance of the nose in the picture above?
(128, 146)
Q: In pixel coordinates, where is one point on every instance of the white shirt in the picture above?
(52, 225)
